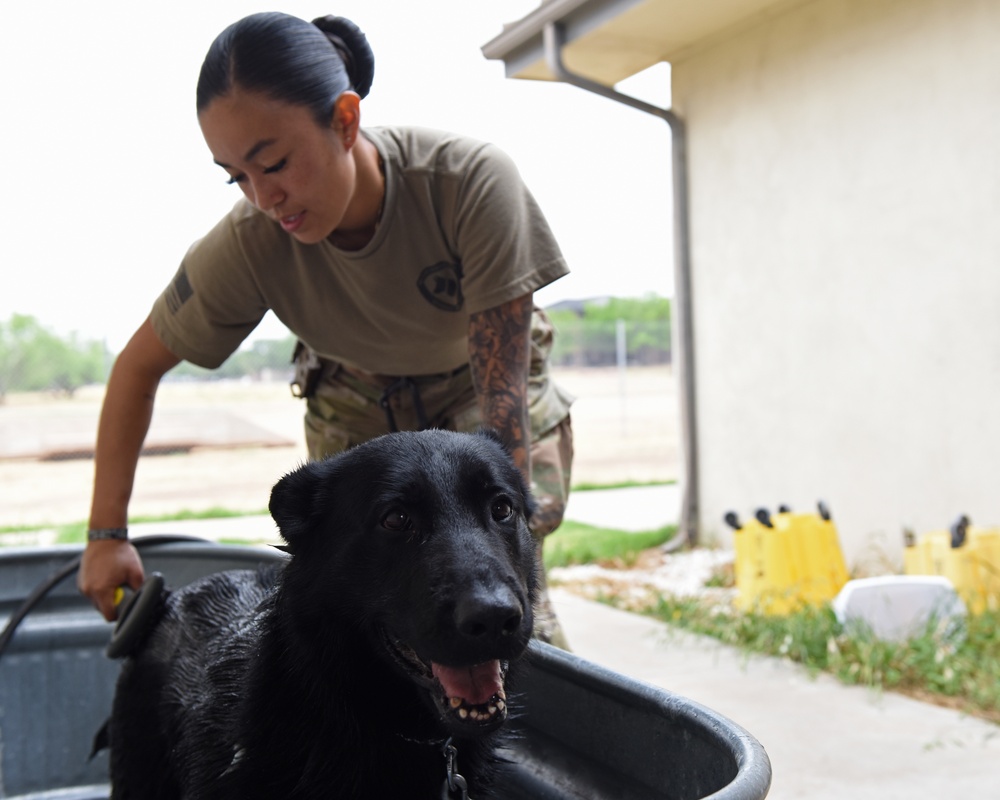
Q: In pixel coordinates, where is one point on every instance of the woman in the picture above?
(403, 259)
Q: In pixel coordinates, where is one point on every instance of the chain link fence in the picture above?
(581, 343)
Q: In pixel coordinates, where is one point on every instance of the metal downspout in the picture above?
(554, 39)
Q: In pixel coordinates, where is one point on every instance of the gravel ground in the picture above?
(692, 573)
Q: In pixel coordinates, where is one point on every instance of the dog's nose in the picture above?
(487, 615)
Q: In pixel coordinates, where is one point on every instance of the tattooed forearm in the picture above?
(499, 355)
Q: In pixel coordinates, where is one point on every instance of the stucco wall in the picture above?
(845, 191)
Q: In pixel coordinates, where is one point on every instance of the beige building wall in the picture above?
(845, 216)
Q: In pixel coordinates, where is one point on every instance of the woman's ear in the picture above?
(346, 118)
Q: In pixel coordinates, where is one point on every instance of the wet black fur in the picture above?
(278, 684)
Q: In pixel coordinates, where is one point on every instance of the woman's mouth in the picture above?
(292, 222)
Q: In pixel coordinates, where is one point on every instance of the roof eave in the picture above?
(521, 46)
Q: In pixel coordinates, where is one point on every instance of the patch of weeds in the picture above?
(962, 673)
(722, 577)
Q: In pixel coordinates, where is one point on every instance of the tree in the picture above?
(264, 355)
(32, 358)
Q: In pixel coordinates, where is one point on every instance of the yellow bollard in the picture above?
(967, 556)
(786, 560)
(985, 544)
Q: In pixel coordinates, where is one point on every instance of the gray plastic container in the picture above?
(586, 732)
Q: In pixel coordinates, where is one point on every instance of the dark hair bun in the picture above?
(352, 44)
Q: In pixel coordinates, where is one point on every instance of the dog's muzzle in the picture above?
(472, 700)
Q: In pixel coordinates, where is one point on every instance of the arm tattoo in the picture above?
(499, 356)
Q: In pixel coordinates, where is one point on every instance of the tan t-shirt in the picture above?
(460, 233)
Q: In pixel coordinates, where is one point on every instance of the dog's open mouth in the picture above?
(474, 693)
(471, 699)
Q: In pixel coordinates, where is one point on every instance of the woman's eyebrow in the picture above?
(253, 151)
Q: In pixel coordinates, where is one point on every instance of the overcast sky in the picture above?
(107, 180)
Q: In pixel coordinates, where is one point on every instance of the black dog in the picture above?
(343, 673)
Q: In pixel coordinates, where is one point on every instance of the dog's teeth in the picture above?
(478, 713)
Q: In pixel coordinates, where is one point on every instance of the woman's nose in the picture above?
(265, 194)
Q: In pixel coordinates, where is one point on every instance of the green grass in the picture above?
(596, 487)
(209, 513)
(76, 532)
(578, 543)
(963, 675)
(71, 534)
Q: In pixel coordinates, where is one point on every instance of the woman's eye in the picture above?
(501, 509)
(397, 521)
(234, 179)
(276, 168)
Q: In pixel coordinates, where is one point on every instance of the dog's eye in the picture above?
(501, 509)
(396, 521)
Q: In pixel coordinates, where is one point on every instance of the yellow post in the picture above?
(778, 594)
(988, 564)
(787, 559)
(967, 555)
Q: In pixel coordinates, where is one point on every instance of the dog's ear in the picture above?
(295, 501)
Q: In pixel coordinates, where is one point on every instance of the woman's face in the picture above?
(298, 172)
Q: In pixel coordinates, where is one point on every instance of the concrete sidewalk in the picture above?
(639, 508)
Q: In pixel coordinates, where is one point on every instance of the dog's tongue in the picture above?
(475, 685)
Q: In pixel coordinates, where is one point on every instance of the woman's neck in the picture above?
(369, 199)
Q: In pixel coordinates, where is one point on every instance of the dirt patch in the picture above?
(247, 435)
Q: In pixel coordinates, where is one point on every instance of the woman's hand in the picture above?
(107, 565)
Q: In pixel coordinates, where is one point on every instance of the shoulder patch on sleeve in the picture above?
(179, 291)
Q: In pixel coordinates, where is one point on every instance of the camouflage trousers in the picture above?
(346, 406)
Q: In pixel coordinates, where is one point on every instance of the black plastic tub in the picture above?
(587, 732)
